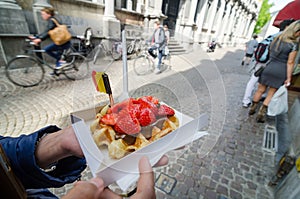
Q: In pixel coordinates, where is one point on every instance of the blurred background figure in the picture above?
(250, 48)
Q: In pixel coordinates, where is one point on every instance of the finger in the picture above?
(107, 193)
(162, 162)
(98, 182)
(145, 186)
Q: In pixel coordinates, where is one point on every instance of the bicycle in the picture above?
(144, 63)
(102, 51)
(133, 48)
(28, 70)
(84, 45)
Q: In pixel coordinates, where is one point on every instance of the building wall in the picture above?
(229, 22)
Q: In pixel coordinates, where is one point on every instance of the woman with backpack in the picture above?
(278, 71)
(261, 56)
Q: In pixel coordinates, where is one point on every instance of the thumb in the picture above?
(145, 186)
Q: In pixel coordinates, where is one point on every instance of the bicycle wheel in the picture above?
(116, 51)
(24, 71)
(78, 68)
(142, 65)
(97, 50)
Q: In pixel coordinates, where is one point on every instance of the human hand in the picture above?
(287, 83)
(32, 37)
(91, 189)
(36, 41)
(145, 185)
(94, 188)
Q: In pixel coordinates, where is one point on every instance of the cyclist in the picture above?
(52, 49)
(158, 43)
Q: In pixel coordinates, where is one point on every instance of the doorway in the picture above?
(170, 9)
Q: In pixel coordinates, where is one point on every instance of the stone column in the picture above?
(251, 28)
(224, 23)
(231, 22)
(12, 19)
(189, 13)
(220, 22)
(12, 23)
(208, 24)
(203, 9)
(41, 4)
(139, 6)
(9, 4)
(36, 9)
(111, 25)
(129, 5)
(180, 20)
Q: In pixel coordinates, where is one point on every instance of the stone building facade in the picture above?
(229, 22)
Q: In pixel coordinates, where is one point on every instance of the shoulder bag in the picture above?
(60, 34)
(259, 71)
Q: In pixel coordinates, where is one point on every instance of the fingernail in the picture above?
(97, 181)
(146, 164)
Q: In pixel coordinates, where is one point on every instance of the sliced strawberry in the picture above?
(152, 99)
(109, 119)
(116, 108)
(165, 110)
(145, 103)
(127, 123)
(134, 110)
(146, 117)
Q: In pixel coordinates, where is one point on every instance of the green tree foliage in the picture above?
(264, 16)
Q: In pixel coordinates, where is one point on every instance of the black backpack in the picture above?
(262, 53)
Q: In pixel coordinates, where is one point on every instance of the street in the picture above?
(227, 163)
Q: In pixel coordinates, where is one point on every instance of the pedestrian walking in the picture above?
(279, 69)
(258, 64)
(250, 48)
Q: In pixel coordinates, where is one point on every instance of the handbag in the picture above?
(259, 71)
(60, 34)
(279, 102)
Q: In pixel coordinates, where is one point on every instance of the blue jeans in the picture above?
(56, 51)
(160, 55)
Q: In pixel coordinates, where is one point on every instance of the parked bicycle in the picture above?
(28, 69)
(145, 63)
(102, 50)
(83, 44)
(134, 47)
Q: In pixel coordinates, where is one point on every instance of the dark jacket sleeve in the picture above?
(21, 154)
(51, 25)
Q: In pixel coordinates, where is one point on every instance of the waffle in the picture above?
(120, 145)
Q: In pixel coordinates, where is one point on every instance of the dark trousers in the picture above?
(159, 54)
(56, 51)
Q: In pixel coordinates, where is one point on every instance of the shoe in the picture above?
(253, 108)
(53, 74)
(157, 71)
(246, 105)
(61, 64)
(242, 63)
(261, 116)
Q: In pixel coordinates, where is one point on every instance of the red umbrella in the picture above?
(290, 11)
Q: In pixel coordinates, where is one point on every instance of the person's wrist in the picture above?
(69, 143)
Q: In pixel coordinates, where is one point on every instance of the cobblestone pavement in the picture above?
(227, 163)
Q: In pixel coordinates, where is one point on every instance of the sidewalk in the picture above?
(229, 162)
